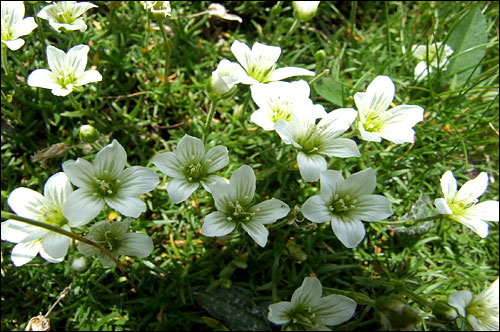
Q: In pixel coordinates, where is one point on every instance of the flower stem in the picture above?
(292, 30)
(209, 119)
(148, 30)
(9, 215)
(168, 49)
(5, 63)
(412, 220)
(319, 76)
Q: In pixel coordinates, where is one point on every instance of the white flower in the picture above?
(305, 10)
(345, 203)
(309, 311)
(46, 208)
(14, 25)
(462, 206)
(437, 58)
(480, 311)
(114, 238)
(66, 15)
(278, 100)
(315, 141)
(225, 78)
(260, 63)
(376, 121)
(218, 10)
(234, 202)
(190, 167)
(106, 180)
(157, 7)
(67, 71)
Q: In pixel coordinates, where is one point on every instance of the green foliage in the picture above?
(190, 277)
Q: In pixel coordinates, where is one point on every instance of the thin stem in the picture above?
(412, 220)
(148, 30)
(9, 215)
(292, 30)
(319, 76)
(388, 33)
(5, 63)
(272, 16)
(168, 49)
(210, 116)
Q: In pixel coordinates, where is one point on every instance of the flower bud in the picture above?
(443, 311)
(88, 134)
(395, 314)
(38, 323)
(80, 264)
(224, 80)
(304, 10)
(320, 57)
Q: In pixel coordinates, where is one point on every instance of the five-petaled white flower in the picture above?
(376, 121)
(462, 206)
(67, 71)
(115, 238)
(158, 7)
(345, 203)
(431, 57)
(305, 10)
(315, 141)
(234, 203)
(481, 311)
(46, 208)
(191, 166)
(225, 79)
(308, 311)
(106, 180)
(278, 100)
(14, 24)
(260, 63)
(66, 15)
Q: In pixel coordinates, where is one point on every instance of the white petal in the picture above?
(22, 253)
(340, 147)
(257, 231)
(88, 77)
(358, 99)
(80, 172)
(190, 149)
(55, 244)
(169, 164)
(243, 182)
(479, 227)
(180, 189)
(80, 207)
(127, 205)
(442, 206)
(14, 45)
(42, 78)
(216, 224)
(111, 160)
(334, 309)
(56, 59)
(316, 210)
(81, 7)
(421, 71)
(461, 300)
(210, 180)
(270, 52)
(136, 244)
(310, 166)
(379, 95)
(338, 120)
(285, 72)
(331, 183)
(361, 183)
(76, 58)
(269, 211)
(26, 203)
(279, 312)
(49, 258)
(223, 194)
(137, 180)
(308, 294)
(242, 53)
(25, 27)
(216, 158)
(16, 231)
(285, 130)
(372, 208)
(448, 185)
(472, 189)
(57, 189)
(366, 135)
(62, 92)
(485, 211)
(349, 231)
(263, 118)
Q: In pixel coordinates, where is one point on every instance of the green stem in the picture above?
(386, 3)
(97, 146)
(5, 63)
(292, 30)
(412, 220)
(210, 116)
(168, 49)
(274, 12)
(9, 215)
(360, 298)
(319, 76)
(148, 30)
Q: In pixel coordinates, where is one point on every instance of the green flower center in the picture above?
(105, 185)
(52, 215)
(64, 78)
(65, 17)
(304, 316)
(239, 214)
(374, 121)
(342, 205)
(282, 109)
(261, 68)
(312, 140)
(6, 23)
(108, 239)
(194, 172)
(460, 208)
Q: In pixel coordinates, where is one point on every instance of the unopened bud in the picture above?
(88, 134)
(304, 10)
(443, 311)
(80, 264)
(38, 323)
(395, 314)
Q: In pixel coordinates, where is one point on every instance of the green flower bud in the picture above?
(80, 264)
(320, 57)
(395, 314)
(88, 134)
(304, 10)
(443, 311)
